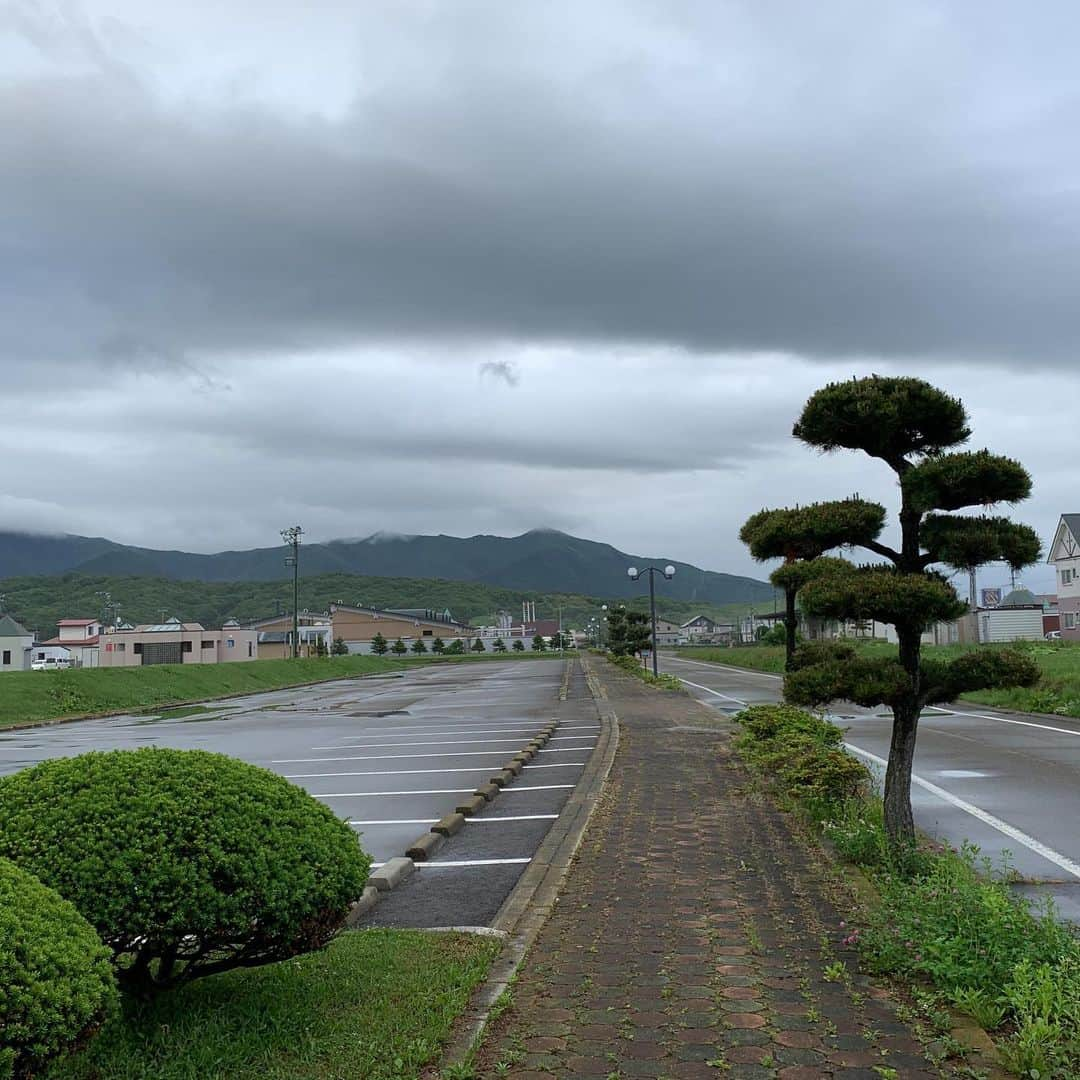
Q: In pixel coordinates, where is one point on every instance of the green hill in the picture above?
(38, 602)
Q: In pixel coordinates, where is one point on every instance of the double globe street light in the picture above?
(634, 574)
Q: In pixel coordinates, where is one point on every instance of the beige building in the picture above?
(174, 642)
(356, 626)
(80, 637)
(15, 642)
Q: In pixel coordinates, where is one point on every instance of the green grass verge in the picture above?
(38, 696)
(1057, 691)
(631, 666)
(944, 917)
(376, 1004)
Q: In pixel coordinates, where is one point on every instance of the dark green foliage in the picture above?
(438, 645)
(944, 681)
(974, 478)
(803, 754)
(885, 594)
(498, 645)
(379, 645)
(865, 681)
(557, 641)
(805, 532)
(887, 418)
(629, 633)
(478, 646)
(455, 648)
(774, 635)
(794, 575)
(538, 643)
(339, 648)
(823, 652)
(519, 645)
(185, 862)
(418, 646)
(56, 984)
(399, 648)
(969, 542)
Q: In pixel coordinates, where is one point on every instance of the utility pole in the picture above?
(972, 603)
(291, 536)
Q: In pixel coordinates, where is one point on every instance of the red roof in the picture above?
(76, 622)
(69, 643)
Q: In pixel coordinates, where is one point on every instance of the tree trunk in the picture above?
(791, 623)
(899, 822)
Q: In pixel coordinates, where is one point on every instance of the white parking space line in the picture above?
(398, 821)
(515, 788)
(511, 817)
(510, 745)
(420, 772)
(417, 754)
(1003, 827)
(380, 794)
(486, 731)
(451, 863)
(710, 690)
(559, 765)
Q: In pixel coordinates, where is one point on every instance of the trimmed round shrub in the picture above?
(56, 983)
(187, 863)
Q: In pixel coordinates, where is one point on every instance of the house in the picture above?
(669, 633)
(697, 627)
(79, 637)
(15, 644)
(1064, 555)
(357, 627)
(176, 642)
(1019, 617)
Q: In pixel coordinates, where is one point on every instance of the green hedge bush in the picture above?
(56, 985)
(187, 863)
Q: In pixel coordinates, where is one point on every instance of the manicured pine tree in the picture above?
(519, 645)
(912, 427)
(498, 645)
(538, 643)
(399, 648)
(378, 645)
(478, 646)
(438, 645)
(800, 536)
(418, 646)
(339, 647)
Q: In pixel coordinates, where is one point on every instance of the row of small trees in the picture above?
(913, 428)
(380, 646)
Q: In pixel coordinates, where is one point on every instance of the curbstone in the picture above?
(504, 778)
(423, 848)
(524, 757)
(488, 790)
(449, 825)
(472, 805)
(513, 766)
(392, 873)
(368, 899)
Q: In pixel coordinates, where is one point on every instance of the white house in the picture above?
(80, 637)
(1064, 555)
(15, 643)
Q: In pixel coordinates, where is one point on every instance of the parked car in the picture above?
(50, 663)
(1053, 635)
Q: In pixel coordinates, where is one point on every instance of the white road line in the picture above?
(393, 772)
(710, 690)
(471, 862)
(455, 753)
(510, 742)
(1003, 827)
(559, 765)
(369, 794)
(726, 667)
(486, 731)
(1021, 723)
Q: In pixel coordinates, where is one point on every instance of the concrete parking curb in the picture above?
(534, 897)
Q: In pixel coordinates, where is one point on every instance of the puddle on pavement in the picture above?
(188, 713)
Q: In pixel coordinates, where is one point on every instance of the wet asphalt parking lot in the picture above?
(391, 755)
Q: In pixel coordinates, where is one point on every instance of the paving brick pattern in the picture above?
(695, 936)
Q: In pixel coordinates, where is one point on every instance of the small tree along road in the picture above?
(800, 537)
(910, 425)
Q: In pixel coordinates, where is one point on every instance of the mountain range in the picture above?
(542, 559)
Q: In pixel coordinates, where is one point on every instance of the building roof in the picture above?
(76, 622)
(69, 643)
(173, 626)
(10, 628)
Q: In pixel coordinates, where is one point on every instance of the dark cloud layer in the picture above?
(827, 180)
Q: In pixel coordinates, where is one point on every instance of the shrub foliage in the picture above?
(187, 863)
(56, 984)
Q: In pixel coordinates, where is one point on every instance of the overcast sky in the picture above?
(485, 266)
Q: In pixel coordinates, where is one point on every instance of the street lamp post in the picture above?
(634, 573)
(291, 536)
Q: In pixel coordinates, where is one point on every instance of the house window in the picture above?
(207, 644)
(7, 658)
(428, 633)
(137, 648)
(1066, 576)
(122, 647)
(251, 648)
(185, 646)
(1070, 620)
(230, 643)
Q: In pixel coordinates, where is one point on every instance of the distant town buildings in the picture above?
(15, 644)
(176, 642)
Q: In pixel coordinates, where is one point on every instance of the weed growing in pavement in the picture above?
(945, 916)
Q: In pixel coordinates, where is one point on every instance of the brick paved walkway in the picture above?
(695, 935)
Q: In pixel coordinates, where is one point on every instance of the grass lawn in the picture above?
(376, 1004)
(1057, 692)
(33, 696)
